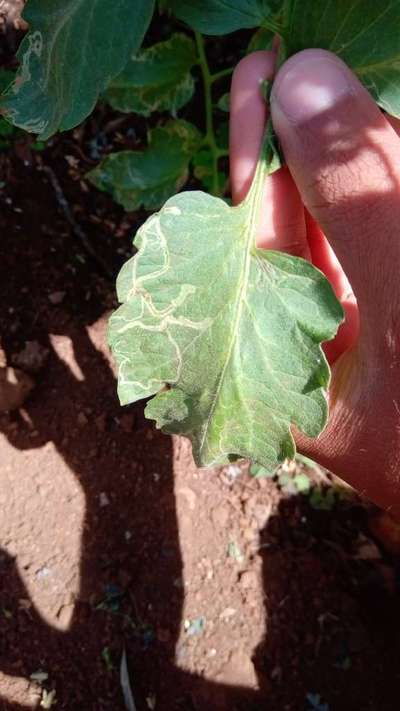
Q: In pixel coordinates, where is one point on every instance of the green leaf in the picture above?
(259, 472)
(233, 332)
(219, 17)
(222, 135)
(306, 461)
(323, 499)
(149, 177)
(364, 33)
(235, 552)
(302, 483)
(261, 40)
(157, 79)
(39, 146)
(6, 78)
(73, 50)
(6, 129)
(203, 170)
(224, 102)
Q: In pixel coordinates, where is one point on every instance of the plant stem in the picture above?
(209, 138)
(220, 75)
(268, 162)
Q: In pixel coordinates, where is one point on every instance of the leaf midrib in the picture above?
(65, 18)
(238, 10)
(363, 31)
(250, 207)
(378, 65)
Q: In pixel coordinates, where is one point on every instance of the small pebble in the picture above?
(248, 580)
(56, 297)
(81, 419)
(104, 500)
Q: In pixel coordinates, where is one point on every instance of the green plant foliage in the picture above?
(6, 129)
(7, 133)
(219, 17)
(72, 51)
(203, 170)
(149, 177)
(259, 472)
(227, 337)
(38, 146)
(203, 167)
(222, 135)
(261, 40)
(223, 102)
(302, 483)
(157, 79)
(364, 34)
(323, 499)
(233, 331)
(6, 78)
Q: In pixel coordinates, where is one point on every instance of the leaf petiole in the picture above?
(268, 162)
(221, 75)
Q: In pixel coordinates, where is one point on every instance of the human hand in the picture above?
(336, 203)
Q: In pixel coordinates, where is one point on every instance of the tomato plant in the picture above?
(225, 337)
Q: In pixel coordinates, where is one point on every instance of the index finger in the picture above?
(282, 223)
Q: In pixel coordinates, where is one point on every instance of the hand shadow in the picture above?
(130, 591)
(129, 548)
(333, 614)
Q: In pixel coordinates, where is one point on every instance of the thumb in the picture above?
(345, 159)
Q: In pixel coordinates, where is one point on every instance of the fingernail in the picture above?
(309, 84)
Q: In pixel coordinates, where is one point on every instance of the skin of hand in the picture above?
(336, 203)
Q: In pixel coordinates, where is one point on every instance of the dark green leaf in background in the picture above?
(157, 79)
(151, 176)
(261, 40)
(6, 129)
(203, 170)
(234, 331)
(73, 50)
(219, 17)
(364, 33)
(224, 103)
(6, 78)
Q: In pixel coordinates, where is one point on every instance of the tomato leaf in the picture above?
(150, 176)
(261, 40)
(6, 78)
(224, 103)
(219, 17)
(72, 51)
(233, 332)
(364, 33)
(157, 79)
(203, 170)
